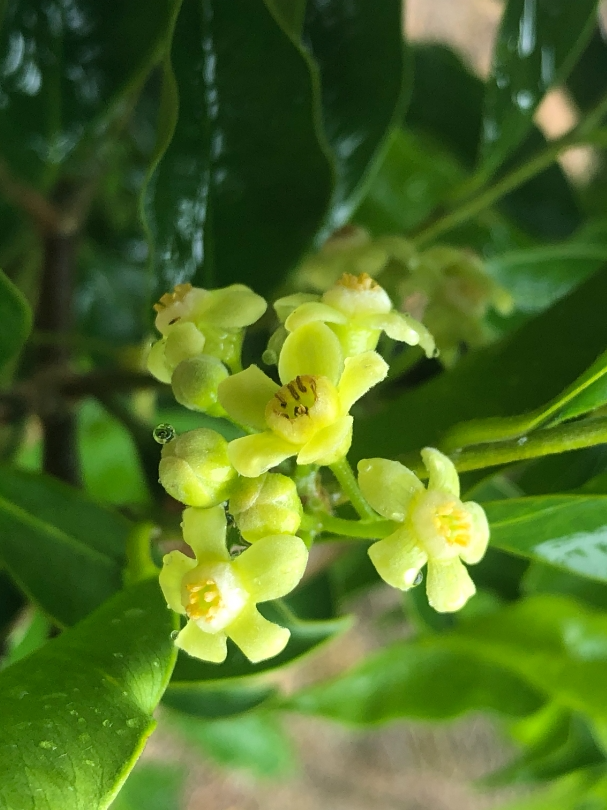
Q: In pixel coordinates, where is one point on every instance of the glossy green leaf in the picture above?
(422, 680)
(67, 71)
(63, 549)
(522, 372)
(545, 578)
(305, 637)
(587, 81)
(244, 182)
(411, 181)
(76, 714)
(152, 786)
(558, 645)
(11, 602)
(584, 790)
(358, 47)
(16, 320)
(567, 531)
(29, 634)
(209, 702)
(538, 43)
(254, 742)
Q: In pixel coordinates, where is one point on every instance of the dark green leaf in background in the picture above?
(567, 531)
(245, 181)
(152, 786)
(538, 43)
(209, 702)
(76, 714)
(358, 47)
(67, 68)
(16, 319)
(64, 550)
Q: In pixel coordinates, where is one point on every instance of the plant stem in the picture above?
(361, 529)
(515, 178)
(345, 478)
(544, 442)
(139, 562)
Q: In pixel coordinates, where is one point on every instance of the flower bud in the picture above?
(195, 382)
(267, 505)
(195, 468)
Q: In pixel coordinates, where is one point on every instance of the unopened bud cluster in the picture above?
(327, 360)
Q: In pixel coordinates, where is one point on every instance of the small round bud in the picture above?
(195, 382)
(265, 506)
(195, 468)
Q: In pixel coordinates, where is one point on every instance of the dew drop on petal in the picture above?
(418, 579)
(164, 433)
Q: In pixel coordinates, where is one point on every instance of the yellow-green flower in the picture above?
(266, 505)
(357, 309)
(193, 321)
(436, 528)
(219, 594)
(308, 416)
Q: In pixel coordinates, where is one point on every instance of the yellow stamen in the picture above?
(205, 600)
(178, 294)
(363, 282)
(296, 398)
(453, 523)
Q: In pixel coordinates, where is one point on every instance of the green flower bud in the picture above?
(195, 382)
(264, 506)
(195, 468)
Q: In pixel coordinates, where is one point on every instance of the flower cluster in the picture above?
(327, 359)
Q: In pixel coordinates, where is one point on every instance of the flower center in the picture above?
(360, 282)
(177, 296)
(302, 407)
(204, 601)
(453, 523)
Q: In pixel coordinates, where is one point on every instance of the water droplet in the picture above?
(522, 440)
(526, 30)
(118, 655)
(132, 722)
(164, 433)
(84, 738)
(418, 579)
(524, 99)
(81, 721)
(121, 732)
(89, 761)
(50, 746)
(73, 712)
(107, 723)
(174, 634)
(435, 352)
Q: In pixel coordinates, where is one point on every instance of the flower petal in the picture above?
(311, 312)
(175, 566)
(314, 349)
(398, 559)
(256, 636)
(329, 444)
(448, 585)
(253, 455)
(405, 329)
(388, 486)
(360, 374)
(245, 396)
(287, 304)
(442, 473)
(204, 530)
(479, 534)
(206, 646)
(232, 307)
(156, 362)
(272, 567)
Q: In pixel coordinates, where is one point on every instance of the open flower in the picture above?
(308, 416)
(357, 309)
(218, 594)
(436, 527)
(193, 321)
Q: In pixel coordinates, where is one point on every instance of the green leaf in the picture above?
(586, 82)
(11, 602)
(584, 790)
(567, 531)
(305, 637)
(16, 320)
(30, 633)
(67, 72)
(421, 679)
(210, 702)
(255, 742)
(244, 182)
(63, 549)
(358, 47)
(523, 371)
(558, 645)
(537, 46)
(76, 714)
(544, 578)
(152, 786)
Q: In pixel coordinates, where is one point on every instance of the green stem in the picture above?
(139, 562)
(345, 478)
(545, 442)
(515, 178)
(362, 529)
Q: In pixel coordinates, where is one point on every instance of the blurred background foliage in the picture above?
(279, 143)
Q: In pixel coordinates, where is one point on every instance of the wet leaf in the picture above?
(16, 320)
